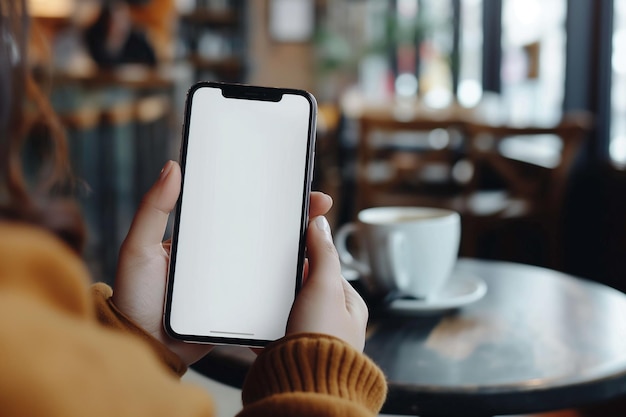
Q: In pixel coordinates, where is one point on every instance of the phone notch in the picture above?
(251, 93)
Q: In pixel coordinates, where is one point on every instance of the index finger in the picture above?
(319, 204)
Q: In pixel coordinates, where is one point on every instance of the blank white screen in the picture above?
(238, 237)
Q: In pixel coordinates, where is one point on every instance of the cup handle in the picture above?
(347, 259)
(396, 247)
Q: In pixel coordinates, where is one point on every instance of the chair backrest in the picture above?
(532, 163)
(407, 162)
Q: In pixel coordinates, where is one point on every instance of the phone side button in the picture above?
(312, 168)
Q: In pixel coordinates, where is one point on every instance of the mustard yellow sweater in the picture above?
(66, 351)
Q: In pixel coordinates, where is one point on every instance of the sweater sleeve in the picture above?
(109, 315)
(313, 375)
(57, 359)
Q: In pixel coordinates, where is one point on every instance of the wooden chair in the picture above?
(466, 166)
(408, 162)
(506, 187)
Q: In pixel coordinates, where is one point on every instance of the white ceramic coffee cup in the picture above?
(412, 250)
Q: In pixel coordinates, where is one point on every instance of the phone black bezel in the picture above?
(247, 92)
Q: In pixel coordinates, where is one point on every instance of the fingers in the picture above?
(327, 303)
(355, 303)
(150, 220)
(319, 204)
(324, 266)
(305, 272)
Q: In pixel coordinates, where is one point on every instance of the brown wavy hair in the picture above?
(43, 197)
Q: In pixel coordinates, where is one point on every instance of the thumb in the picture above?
(150, 220)
(324, 266)
(325, 270)
(327, 304)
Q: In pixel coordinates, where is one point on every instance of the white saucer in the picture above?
(460, 290)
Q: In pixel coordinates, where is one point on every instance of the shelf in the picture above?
(228, 64)
(226, 25)
(212, 17)
(129, 76)
(54, 23)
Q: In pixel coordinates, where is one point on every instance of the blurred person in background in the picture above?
(72, 349)
(132, 32)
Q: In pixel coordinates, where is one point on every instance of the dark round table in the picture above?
(539, 340)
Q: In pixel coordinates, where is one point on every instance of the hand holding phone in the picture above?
(142, 269)
(238, 245)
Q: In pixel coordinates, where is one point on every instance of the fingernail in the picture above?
(166, 170)
(322, 224)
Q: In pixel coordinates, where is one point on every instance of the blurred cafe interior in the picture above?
(512, 112)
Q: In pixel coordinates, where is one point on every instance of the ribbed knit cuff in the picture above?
(109, 315)
(315, 363)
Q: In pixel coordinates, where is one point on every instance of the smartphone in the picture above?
(238, 243)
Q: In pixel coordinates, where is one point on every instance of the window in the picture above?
(617, 141)
(435, 47)
(533, 59)
(471, 50)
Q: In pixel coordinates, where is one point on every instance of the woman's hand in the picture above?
(327, 303)
(139, 289)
